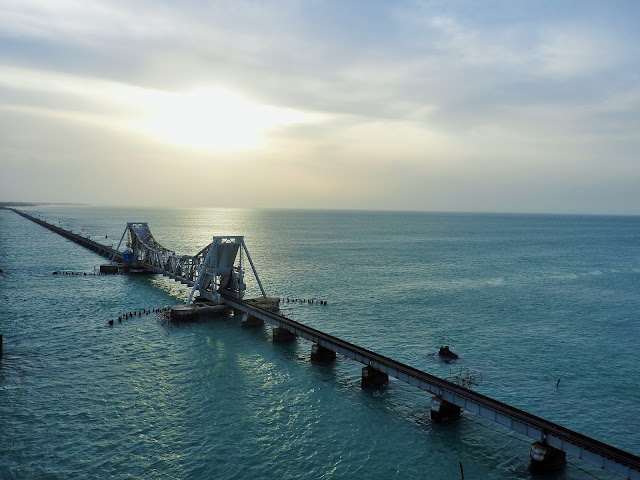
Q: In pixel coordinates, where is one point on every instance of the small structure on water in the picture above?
(546, 459)
(194, 311)
(128, 257)
(272, 304)
(446, 354)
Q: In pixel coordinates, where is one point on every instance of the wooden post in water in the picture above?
(0, 345)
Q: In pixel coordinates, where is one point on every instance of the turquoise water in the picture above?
(526, 299)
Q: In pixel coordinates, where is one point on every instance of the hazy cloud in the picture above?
(411, 104)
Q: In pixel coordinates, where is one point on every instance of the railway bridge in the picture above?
(216, 273)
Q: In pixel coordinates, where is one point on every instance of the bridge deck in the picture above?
(593, 451)
(99, 248)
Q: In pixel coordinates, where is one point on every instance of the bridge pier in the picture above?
(183, 313)
(443, 411)
(109, 268)
(546, 459)
(282, 335)
(271, 304)
(251, 321)
(322, 354)
(373, 378)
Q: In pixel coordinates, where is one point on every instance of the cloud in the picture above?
(85, 21)
(428, 89)
(208, 119)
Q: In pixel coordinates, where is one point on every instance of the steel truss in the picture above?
(216, 266)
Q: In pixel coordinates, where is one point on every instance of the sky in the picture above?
(492, 106)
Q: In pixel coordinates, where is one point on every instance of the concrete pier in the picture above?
(373, 378)
(109, 268)
(271, 304)
(252, 322)
(282, 335)
(443, 411)
(322, 354)
(184, 313)
(546, 459)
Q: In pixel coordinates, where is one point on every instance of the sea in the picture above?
(544, 308)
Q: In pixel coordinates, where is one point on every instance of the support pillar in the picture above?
(271, 304)
(109, 268)
(183, 313)
(373, 378)
(282, 335)
(443, 411)
(322, 354)
(252, 322)
(0, 345)
(546, 459)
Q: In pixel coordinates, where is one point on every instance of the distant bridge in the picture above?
(99, 248)
(216, 273)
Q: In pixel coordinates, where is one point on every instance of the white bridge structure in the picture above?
(217, 266)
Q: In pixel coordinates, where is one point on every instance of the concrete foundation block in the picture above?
(282, 335)
(322, 354)
(252, 322)
(373, 378)
(443, 411)
(546, 459)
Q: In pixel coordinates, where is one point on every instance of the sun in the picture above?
(213, 120)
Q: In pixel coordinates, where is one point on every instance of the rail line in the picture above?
(214, 273)
(576, 444)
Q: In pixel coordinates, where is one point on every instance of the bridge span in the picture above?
(97, 247)
(216, 272)
(542, 431)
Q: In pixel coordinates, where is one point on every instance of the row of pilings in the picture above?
(137, 313)
(310, 301)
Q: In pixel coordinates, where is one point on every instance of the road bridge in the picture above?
(216, 273)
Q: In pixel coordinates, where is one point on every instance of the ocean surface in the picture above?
(524, 299)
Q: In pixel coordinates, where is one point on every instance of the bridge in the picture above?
(216, 273)
(209, 270)
(97, 247)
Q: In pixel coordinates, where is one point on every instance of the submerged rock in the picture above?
(447, 354)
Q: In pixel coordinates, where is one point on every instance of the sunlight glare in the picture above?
(214, 120)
